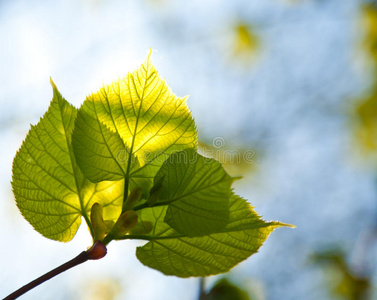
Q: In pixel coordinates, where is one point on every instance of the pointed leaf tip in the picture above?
(150, 52)
(53, 83)
(174, 253)
(135, 119)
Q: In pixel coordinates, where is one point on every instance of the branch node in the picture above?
(97, 251)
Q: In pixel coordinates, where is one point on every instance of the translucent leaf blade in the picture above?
(175, 254)
(198, 190)
(151, 121)
(50, 191)
(101, 152)
(107, 193)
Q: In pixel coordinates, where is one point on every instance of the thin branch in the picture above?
(97, 251)
(201, 288)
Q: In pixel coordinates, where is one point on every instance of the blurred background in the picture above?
(289, 86)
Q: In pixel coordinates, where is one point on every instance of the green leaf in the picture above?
(130, 127)
(98, 149)
(197, 190)
(127, 136)
(174, 253)
(50, 190)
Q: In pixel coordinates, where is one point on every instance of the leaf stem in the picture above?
(88, 223)
(108, 238)
(146, 205)
(141, 206)
(125, 193)
(97, 251)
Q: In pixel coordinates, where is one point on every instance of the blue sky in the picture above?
(291, 104)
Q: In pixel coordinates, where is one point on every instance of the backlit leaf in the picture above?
(140, 114)
(197, 190)
(50, 190)
(174, 253)
(99, 150)
(136, 136)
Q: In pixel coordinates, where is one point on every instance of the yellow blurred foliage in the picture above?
(369, 22)
(245, 41)
(343, 281)
(101, 289)
(366, 130)
(366, 108)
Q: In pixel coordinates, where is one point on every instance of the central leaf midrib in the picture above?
(141, 98)
(174, 199)
(71, 156)
(183, 195)
(156, 237)
(106, 142)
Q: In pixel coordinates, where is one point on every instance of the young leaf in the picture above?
(133, 198)
(130, 127)
(98, 224)
(50, 190)
(174, 253)
(197, 190)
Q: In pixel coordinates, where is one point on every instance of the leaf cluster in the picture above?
(126, 162)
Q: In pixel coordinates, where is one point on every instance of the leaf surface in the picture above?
(174, 253)
(139, 113)
(100, 151)
(197, 190)
(49, 188)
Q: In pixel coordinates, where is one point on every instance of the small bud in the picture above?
(97, 251)
(98, 225)
(155, 192)
(133, 198)
(142, 228)
(126, 222)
